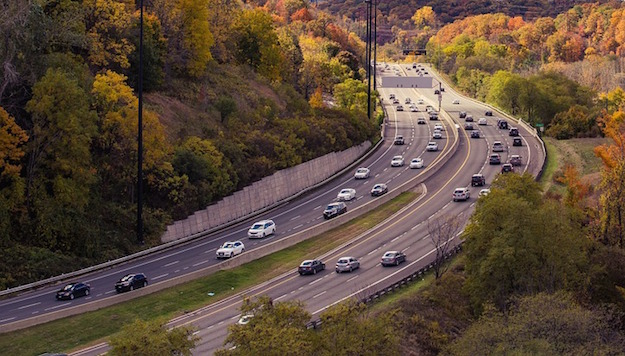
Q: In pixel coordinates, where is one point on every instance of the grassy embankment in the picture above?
(93, 327)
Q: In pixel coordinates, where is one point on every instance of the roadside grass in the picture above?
(93, 327)
(578, 152)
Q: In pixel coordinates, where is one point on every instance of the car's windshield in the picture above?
(126, 278)
(343, 261)
(389, 254)
(257, 226)
(362, 170)
(306, 263)
(228, 245)
(344, 191)
(330, 207)
(68, 287)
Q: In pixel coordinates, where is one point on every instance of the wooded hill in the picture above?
(234, 92)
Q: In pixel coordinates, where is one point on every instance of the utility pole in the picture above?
(368, 2)
(140, 239)
(375, 47)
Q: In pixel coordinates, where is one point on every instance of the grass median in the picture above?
(90, 328)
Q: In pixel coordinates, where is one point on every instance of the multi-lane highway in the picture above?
(406, 231)
(290, 218)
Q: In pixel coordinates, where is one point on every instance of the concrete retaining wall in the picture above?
(264, 193)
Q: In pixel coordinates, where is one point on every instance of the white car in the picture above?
(484, 192)
(261, 229)
(414, 109)
(437, 134)
(482, 121)
(362, 173)
(461, 194)
(497, 146)
(346, 194)
(245, 319)
(397, 161)
(230, 249)
(456, 102)
(439, 127)
(420, 102)
(432, 146)
(416, 163)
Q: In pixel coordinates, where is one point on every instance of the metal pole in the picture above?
(375, 46)
(140, 136)
(368, 59)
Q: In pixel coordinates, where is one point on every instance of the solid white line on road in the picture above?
(161, 276)
(320, 294)
(58, 306)
(280, 297)
(28, 306)
(351, 279)
(295, 218)
(298, 226)
(200, 263)
(5, 320)
(171, 264)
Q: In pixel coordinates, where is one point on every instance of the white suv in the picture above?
(261, 229)
(461, 194)
(230, 249)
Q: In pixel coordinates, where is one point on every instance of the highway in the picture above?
(406, 231)
(296, 215)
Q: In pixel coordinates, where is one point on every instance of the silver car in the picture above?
(347, 264)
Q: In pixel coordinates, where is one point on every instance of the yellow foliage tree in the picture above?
(12, 137)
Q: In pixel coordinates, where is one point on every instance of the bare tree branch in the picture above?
(440, 231)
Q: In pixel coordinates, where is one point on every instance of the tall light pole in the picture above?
(140, 239)
(375, 45)
(368, 58)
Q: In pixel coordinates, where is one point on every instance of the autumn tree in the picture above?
(351, 94)
(516, 244)
(441, 231)
(576, 190)
(147, 338)
(107, 23)
(276, 328)
(542, 324)
(424, 18)
(60, 171)
(612, 202)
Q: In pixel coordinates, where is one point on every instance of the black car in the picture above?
(392, 258)
(334, 209)
(310, 267)
(379, 189)
(502, 124)
(506, 168)
(475, 134)
(433, 115)
(73, 290)
(468, 118)
(494, 158)
(437, 91)
(517, 141)
(131, 282)
(513, 131)
(462, 114)
(478, 180)
(488, 113)
(468, 126)
(399, 140)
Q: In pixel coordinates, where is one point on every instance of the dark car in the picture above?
(131, 282)
(502, 124)
(513, 131)
(517, 141)
(392, 258)
(399, 140)
(433, 115)
(475, 134)
(73, 290)
(334, 209)
(478, 180)
(515, 160)
(488, 113)
(442, 89)
(506, 168)
(311, 267)
(437, 91)
(379, 189)
(468, 118)
(468, 126)
(494, 158)
(462, 114)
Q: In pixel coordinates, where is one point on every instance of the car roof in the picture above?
(478, 175)
(395, 157)
(393, 252)
(263, 221)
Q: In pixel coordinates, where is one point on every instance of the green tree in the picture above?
(257, 43)
(197, 38)
(504, 90)
(351, 94)
(517, 244)
(275, 329)
(60, 171)
(152, 338)
(346, 329)
(543, 324)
